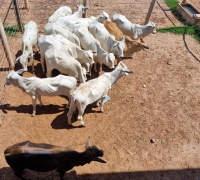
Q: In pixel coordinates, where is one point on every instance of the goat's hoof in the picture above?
(32, 115)
(82, 123)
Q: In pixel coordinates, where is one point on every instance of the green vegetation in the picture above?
(184, 29)
(11, 30)
(189, 30)
(172, 4)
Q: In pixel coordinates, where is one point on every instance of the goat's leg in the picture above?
(49, 72)
(34, 98)
(42, 61)
(95, 67)
(100, 68)
(68, 102)
(32, 62)
(81, 109)
(102, 103)
(90, 69)
(70, 112)
(61, 173)
(40, 100)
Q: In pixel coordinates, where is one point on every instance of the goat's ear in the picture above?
(20, 71)
(123, 39)
(88, 143)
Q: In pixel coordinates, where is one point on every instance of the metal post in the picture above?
(6, 46)
(19, 21)
(84, 4)
(150, 11)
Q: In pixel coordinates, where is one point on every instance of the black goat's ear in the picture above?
(88, 143)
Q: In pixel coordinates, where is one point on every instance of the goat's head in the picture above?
(90, 57)
(118, 48)
(13, 76)
(23, 59)
(103, 16)
(82, 8)
(124, 69)
(143, 44)
(93, 153)
(153, 26)
(110, 60)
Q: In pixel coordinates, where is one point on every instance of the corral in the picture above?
(150, 127)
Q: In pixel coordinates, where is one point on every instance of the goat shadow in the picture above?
(7, 173)
(186, 174)
(27, 109)
(61, 121)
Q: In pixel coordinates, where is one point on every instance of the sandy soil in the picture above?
(150, 127)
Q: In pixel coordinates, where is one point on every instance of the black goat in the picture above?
(46, 157)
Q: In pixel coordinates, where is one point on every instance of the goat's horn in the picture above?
(99, 160)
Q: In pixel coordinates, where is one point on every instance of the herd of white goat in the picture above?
(74, 45)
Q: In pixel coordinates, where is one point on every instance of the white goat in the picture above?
(37, 87)
(107, 41)
(60, 12)
(29, 40)
(52, 28)
(134, 31)
(65, 21)
(72, 23)
(60, 57)
(94, 90)
(85, 57)
(88, 42)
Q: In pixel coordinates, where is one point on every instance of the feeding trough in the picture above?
(189, 13)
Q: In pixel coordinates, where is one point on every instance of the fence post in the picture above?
(26, 4)
(84, 4)
(150, 11)
(19, 21)
(6, 46)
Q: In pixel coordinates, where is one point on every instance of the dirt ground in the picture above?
(150, 127)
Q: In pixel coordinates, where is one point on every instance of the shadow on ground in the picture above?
(186, 174)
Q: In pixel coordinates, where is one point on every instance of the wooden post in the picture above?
(6, 46)
(150, 11)
(19, 21)
(26, 4)
(84, 4)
